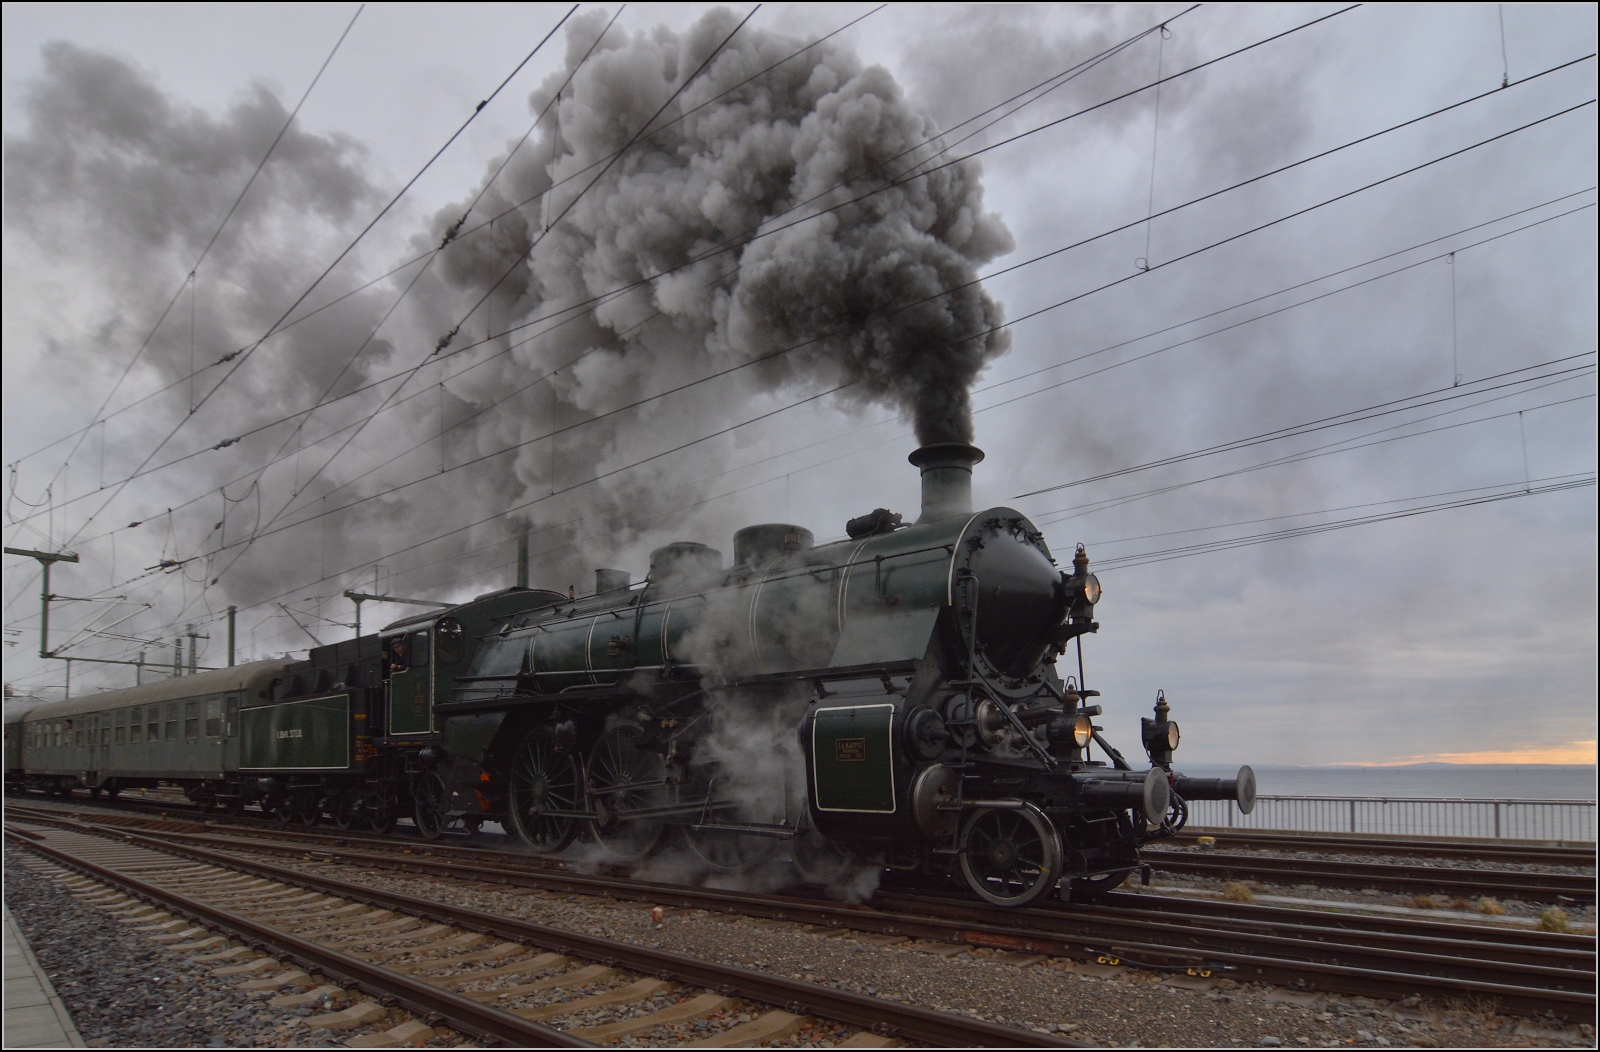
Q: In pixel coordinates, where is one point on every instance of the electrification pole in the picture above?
(361, 597)
(45, 560)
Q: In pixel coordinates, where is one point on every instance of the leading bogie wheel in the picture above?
(623, 779)
(1010, 857)
(432, 805)
(546, 792)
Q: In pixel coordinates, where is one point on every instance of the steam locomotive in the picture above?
(888, 701)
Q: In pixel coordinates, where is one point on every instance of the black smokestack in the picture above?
(946, 478)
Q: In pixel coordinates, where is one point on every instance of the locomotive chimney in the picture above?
(946, 478)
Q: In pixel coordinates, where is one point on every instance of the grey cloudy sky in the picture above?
(1421, 342)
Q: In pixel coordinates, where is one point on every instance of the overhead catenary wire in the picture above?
(569, 488)
(1386, 408)
(556, 221)
(243, 355)
(1205, 548)
(188, 280)
(1082, 242)
(463, 235)
(636, 403)
(1330, 449)
(140, 472)
(1380, 258)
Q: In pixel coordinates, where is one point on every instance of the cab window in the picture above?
(419, 649)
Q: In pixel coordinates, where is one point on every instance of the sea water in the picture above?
(1531, 801)
(1430, 780)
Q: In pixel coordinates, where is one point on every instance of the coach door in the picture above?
(410, 683)
(94, 743)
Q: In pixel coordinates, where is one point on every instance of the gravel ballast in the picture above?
(124, 991)
(1126, 1008)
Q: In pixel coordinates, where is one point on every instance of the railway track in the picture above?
(1501, 883)
(1554, 853)
(1526, 971)
(1471, 883)
(389, 945)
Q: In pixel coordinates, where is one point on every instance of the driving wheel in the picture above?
(432, 802)
(722, 850)
(624, 779)
(546, 793)
(1010, 857)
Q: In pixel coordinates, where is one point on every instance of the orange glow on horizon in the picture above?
(1582, 752)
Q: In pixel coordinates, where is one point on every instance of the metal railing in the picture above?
(1398, 815)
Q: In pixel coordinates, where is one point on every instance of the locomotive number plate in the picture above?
(850, 750)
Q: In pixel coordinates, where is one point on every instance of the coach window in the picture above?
(191, 721)
(79, 739)
(136, 726)
(152, 730)
(213, 717)
(233, 715)
(419, 649)
(171, 733)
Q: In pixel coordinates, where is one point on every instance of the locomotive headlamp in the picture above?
(1091, 589)
(1082, 731)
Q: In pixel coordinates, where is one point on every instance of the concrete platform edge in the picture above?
(33, 1030)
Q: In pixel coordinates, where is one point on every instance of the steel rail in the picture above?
(908, 1022)
(1456, 955)
(447, 858)
(1538, 852)
(1157, 942)
(1472, 943)
(1310, 926)
(1532, 852)
(1539, 887)
(414, 995)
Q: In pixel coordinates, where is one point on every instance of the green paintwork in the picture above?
(312, 734)
(869, 601)
(470, 736)
(853, 758)
(561, 651)
(648, 653)
(895, 636)
(409, 711)
(683, 616)
(611, 645)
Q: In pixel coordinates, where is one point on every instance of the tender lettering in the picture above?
(850, 750)
(296, 733)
